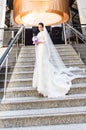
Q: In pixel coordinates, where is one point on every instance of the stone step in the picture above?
(18, 68)
(28, 82)
(12, 59)
(17, 74)
(19, 92)
(75, 64)
(35, 117)
(56, 46)
(72, 62)
(17, 82)
(26, 57)
(80, 46)
(30, 67)
(31, 51)
(68, 62)
(31, 59)
(27, 103)
(58, 49)
(81, 50)
(21, 74)
(23, 48)
(10, 63)
(31, 55)
(60, 52)
(81, 126)
(29, 91)
(27, 67)
(78, 88)
(65, 59)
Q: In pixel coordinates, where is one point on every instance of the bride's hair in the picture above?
(41, 24)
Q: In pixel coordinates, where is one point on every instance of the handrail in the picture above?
(5, 56)
(81, 36)
(78, 25)
(76, 38)
(10, 28)
(11, 43)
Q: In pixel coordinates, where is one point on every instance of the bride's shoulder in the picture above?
(41, 33)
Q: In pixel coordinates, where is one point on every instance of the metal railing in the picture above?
(73, 35)
(5, 56)
(13, 31)
(76, 38)
(81, 28)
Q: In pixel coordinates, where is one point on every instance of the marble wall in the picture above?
(82, 14)
(2, 19)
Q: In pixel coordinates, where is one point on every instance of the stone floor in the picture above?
(57, 127)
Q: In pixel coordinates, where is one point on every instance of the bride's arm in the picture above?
(41, 40)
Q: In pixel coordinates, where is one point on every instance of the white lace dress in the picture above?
(47, 79)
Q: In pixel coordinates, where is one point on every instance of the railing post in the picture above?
(24, 36)
(12, 34)
(77, 39)
(17, 50)
(64, 30)
(5, 82)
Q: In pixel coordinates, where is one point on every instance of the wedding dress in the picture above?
(51, 77)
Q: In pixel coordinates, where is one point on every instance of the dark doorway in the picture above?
(28, 36)
(56, 35)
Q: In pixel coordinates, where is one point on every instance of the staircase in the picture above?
(81, 48)
(25, 109)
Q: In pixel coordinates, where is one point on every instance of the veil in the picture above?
(56, 61)
(51, 76)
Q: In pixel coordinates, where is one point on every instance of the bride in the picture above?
(51, 77)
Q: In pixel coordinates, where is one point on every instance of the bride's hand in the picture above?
(38, 43)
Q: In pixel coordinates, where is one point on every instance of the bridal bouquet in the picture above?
(35, 40)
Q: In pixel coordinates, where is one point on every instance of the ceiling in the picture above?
(10, 3)
(72, 5)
